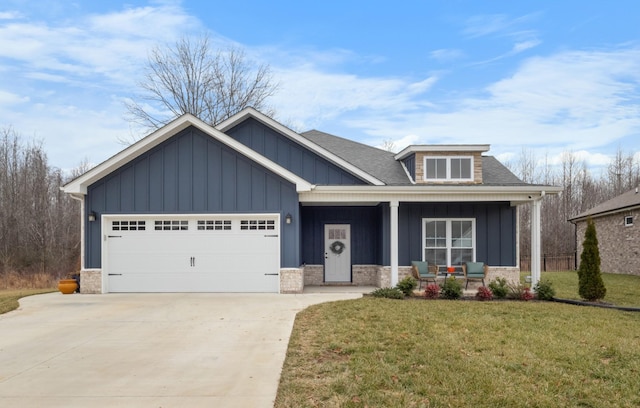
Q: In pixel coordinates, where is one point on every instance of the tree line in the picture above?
(582, 190)
(39, 224)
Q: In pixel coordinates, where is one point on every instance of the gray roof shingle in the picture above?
(382, 164)
(626, 200)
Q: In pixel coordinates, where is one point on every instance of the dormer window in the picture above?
(448, 168)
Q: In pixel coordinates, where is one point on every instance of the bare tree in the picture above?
(190, 77)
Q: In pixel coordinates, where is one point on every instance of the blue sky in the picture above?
(547, 76)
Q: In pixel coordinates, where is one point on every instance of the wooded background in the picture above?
(40, 225)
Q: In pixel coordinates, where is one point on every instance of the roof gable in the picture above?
(80, 184)
(319, 150)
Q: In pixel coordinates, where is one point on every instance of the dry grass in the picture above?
(438, 353)
(17, 280)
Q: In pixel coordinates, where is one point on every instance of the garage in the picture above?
(194, 253)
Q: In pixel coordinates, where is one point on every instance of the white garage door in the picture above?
(192, 254)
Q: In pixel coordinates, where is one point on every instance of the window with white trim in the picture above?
(214, 225)
(252, 225)
(128, 225)
(171, 225)
(455, 168)
(449, 242)
(628, 221)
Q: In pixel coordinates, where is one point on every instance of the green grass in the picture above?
(9, 298)
(622, 290)
(438, 353)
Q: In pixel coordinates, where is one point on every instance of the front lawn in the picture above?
(9, 298)
(438, 353)
(622, 290)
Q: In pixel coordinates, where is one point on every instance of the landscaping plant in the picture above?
(484, 293)
(544, 290)
(407, 285)
(590, 284)
(389, 293)
(451, 288)
(432, 291)
(499, 288)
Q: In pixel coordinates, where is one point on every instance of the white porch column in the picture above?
(535, 241)
(393, 207)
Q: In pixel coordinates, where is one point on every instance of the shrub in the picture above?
(544, 290)
(499, 288)
(389, 293)
(407, 285)
(484, 293)
(590, 284)
(520, 292)
(432, 291)
(451, 288)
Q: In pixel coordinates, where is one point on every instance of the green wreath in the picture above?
(337, 247)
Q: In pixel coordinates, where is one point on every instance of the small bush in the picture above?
(520, 292)
(484, 293)
(451, 288)
(407, 285)
(544, 290)
(389, 293)
(499, 288)
(432, 291)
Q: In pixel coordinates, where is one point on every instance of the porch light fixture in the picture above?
(288, 218)
(92, 216)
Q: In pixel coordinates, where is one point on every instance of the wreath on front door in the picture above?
(337, 247)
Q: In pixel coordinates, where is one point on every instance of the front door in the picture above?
(337, 253)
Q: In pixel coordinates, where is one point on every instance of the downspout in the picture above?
(393, 208)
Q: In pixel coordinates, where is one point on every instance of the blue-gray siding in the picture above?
(365, 233)
(410, 164)
(193, 173)
(290, 155)
(495, 229)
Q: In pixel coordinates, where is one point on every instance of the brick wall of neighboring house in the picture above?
(619, 245)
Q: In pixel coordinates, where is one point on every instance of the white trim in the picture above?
(409, 150)
(393, 216)
(448, 168)
(80, 184)
(407, 173)
(535, 241)
(251, 112)
(449, 236)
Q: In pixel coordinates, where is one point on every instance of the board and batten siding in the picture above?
(495, 229)
(192, 173)
(290, 155)
(365, 233)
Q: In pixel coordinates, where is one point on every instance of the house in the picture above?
(252, 206)
(616, 223)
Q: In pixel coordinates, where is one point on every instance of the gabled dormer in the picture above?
(443, 164)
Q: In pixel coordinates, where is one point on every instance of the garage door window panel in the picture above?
(171, 225)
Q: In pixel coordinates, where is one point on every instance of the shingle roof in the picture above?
(382, 164)
(627, 200)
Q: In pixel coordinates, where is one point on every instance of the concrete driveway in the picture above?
(148, 350)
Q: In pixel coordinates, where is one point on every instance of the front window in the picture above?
(449, 242)
(448, 168)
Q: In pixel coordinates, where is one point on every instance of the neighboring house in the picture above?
(618, 230)
(252, 206)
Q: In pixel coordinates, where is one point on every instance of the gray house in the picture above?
(252, 206)
(616, 223)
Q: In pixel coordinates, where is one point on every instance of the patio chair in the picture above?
(423, 272)
(474, 270)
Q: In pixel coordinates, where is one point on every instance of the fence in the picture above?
(551, 263)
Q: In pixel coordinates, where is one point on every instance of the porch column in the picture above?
(393, 207)
(535, 241)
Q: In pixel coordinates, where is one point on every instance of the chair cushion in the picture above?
(423, 268)
(475, 268)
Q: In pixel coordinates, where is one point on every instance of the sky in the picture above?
(546, 77)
